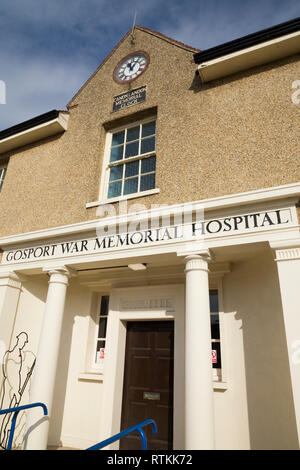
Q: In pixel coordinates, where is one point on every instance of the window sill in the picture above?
(91, 376)
(220, 385)
(122, 198)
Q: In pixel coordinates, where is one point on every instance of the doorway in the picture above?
(148, 383)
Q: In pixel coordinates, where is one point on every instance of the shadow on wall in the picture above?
(30, 313)
(38, 291)
(76, 306)
(256, 299)
(61, 379)
(18, 364)
(197, 85)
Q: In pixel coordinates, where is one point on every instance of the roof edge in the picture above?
(28, 132)
(98, 68)
(252, 39)
(26, 125)
(168, 39)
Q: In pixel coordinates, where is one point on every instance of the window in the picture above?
(132, 159)
(3, 169)
(101, 332)
(215, 334)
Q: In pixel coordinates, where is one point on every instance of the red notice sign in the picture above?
(214, 356)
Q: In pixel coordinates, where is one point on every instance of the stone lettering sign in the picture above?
(147, 304)
(202, 230)
(129, 99)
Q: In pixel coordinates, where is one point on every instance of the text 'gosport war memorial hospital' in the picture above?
(150, 251)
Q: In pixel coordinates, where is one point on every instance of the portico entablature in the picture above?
(255, 217)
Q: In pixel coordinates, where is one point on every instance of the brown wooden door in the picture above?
(148, 383)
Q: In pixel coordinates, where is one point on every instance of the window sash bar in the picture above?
(131, 159)
(138, 175)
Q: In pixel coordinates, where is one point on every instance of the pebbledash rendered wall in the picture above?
(232, 135)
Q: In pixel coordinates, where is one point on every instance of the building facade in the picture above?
(151, 253)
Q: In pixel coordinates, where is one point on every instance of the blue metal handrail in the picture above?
(16, 411)
(138, 427)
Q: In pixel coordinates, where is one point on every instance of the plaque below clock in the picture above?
(129, 98)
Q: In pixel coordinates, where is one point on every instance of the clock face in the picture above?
(131, 67)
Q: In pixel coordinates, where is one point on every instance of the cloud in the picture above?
(208, 24)
(37, 86)
(49, 48)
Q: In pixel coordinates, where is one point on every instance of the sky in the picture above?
(49, 48)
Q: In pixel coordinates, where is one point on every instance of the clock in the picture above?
(131, 67)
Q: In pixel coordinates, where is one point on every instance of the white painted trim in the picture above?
(104, 181)
(224, 344)
(286, 250)
(122, 198)
(91, 376)
(226, 201)
(244, 59)
(176, 247)
(289, 243)
(47, 129)
(220, 385)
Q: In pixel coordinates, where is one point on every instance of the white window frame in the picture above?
(99, 366)
(220, 376)
(3, 170)
(217, 372)
(91, 366)
(107, 164)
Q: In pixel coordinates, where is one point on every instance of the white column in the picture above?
(43, 382)
(287, 256)
(199, 408)
(10, 289)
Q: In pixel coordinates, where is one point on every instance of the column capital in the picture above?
(197, 261)
(11, 279)
(286, 250)
(60, 269)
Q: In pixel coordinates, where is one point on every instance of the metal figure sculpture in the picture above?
(13, 385)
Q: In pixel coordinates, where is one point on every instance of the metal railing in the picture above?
(16, 411)
(137, 427)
